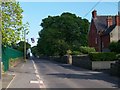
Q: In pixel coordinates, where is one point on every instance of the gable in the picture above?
(101, 23)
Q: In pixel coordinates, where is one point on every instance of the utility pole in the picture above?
(25, 45)
(0, 59)
(0, 48)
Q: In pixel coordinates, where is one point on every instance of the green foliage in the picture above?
(69, 52)
(61, 33)
(20, 46)
(86, 50)
(76, 53)
(102, 56)
(118, 56)
(11, 22)
(24, 31)
(115, 47)
(34, 50)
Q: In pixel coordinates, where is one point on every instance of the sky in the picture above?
(34, 12)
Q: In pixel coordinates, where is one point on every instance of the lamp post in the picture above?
(25, 31)
(0, 48)
(25, 45)
(0, 55)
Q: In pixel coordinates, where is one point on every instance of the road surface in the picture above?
(56, 75)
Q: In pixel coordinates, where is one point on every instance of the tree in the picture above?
(20, 46)
(62, 33)
(34, 50)
(11, 22)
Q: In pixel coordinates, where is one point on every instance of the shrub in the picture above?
(114, 47)
(86, 50)
(69, 52)
(102, 56)
(118, 56)
(76, 53)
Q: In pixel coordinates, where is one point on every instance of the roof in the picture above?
(100, 23)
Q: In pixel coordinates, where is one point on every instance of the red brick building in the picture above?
(103, 30)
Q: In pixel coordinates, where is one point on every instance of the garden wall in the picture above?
(82, 61)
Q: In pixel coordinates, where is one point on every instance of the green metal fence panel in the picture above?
(7, 54)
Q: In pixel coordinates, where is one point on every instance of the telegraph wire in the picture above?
(92, 8)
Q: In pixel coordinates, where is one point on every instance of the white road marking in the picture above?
(35, 72)
(34, 81)
(11, 81)
(41, 83)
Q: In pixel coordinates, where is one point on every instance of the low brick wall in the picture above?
(115, 68)
(101, 64)
(82, 61)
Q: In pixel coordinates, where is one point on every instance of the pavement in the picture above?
(22, 76)
(57, 75)
(6, 79)
(0, 84)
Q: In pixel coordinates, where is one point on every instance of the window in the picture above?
(111, 34)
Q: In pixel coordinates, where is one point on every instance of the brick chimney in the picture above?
(109, 21)
(117, 20)
(94, 14)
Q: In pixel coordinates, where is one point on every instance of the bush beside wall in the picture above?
(102, 56)
(86, 50)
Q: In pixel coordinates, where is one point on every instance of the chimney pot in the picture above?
(117, 20)
(94, 14)
(109, 21)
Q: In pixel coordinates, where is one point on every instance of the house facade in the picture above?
(103, 31)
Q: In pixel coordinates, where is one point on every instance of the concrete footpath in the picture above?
(0, 84)
(24, 76)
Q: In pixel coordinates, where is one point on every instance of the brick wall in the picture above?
(92, 37)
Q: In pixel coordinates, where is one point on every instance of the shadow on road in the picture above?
(87, 76)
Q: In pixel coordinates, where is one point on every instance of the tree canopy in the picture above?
(34, 50)
(61, 33)
(20, 46)
(11, 22)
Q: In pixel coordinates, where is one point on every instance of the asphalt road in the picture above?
(56, 75)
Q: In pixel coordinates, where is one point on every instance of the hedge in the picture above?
(102, 56)
(87, 50)
(76, 53)
(115, 47)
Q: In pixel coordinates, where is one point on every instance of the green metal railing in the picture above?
(7, 54)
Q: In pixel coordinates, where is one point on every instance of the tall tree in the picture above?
(11, 22)
(20, 46)
(61, 33)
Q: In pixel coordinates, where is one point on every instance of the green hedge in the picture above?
(76, 53)
(114, 47)
(118, 56)
(87, 50)
(102, 56)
